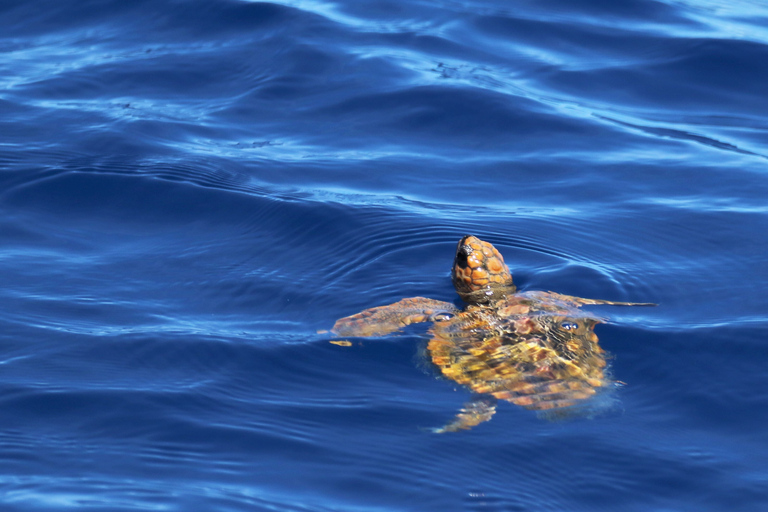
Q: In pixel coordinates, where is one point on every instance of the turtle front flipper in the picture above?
(581, 301)
(383, 320)
(474, 412)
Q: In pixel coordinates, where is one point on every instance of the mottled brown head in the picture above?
(479, 273)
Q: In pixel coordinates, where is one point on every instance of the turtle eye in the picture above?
(461, 255)
(569, 326)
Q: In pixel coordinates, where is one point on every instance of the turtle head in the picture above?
(479, 273)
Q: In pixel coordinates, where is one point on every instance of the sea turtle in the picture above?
(534, 349)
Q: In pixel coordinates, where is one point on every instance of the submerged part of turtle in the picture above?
(537, 350)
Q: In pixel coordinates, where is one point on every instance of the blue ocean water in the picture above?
(190, 190)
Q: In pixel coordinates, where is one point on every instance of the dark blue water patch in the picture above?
(477, 119)
(720, 376)
(632, 11)
(190, 19)
(189, 442)
(684, 135)
(170, 232)
(695, 79)
(605, 42)
(301, 68)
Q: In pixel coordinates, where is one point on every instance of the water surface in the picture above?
(190, 190)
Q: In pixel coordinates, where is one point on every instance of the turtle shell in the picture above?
(530, 349)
